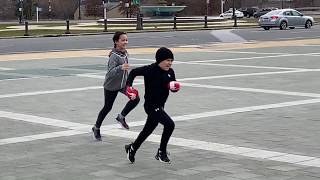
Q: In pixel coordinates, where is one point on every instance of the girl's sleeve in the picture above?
(139, 71)
(113, 66)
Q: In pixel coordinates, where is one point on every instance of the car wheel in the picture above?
(308, 24)
(266, 28)
(283, 25)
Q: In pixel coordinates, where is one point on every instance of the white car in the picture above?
(228, 14)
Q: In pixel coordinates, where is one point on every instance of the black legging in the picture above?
(155, 117)
(109, 98)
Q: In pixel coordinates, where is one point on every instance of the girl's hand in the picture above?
(125, 66)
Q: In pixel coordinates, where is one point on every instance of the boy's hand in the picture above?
(132, 93)
(174, 86)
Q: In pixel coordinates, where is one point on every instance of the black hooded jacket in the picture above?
(156, 82)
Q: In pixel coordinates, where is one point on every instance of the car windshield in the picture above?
(275, 12)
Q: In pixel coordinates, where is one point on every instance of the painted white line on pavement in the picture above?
(78, 128)
(49, 92)
(6, 69)
(244, 109)
(233, 111)
(90, 75)
(250, 58)
(140, 81)
(243, 52)
(39, 137)
(242, 66)
(226, 76)
(194, 144)
(245, 74)
(224, 148)
(227, 36)
(203, 62)
(41, 120)
(24, 78)
(314, 162)
(290, 93)
(311, 45)
(291, 158)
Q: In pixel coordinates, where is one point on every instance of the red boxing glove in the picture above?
(174, 86)
(132, 93)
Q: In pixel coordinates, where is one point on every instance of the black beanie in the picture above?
(162, 54)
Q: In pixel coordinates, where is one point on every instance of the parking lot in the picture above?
(245, 111)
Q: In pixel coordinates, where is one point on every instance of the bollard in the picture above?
(235, 21)
(141, 23)
(205, 21)
(105, 25)
(26, 30)
(174, 22)
(68, 30)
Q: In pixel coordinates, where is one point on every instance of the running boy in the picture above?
(159, 78)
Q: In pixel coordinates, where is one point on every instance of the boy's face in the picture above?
(166, 64)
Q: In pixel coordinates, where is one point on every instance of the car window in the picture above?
(287, 13)
(295, 13)
(275, 12)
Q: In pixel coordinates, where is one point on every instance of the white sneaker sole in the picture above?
(157, 158)
(121, 125)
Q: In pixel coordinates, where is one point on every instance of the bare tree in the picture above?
(132, 9)
(196, 7)
(67, 7)
(94, 8)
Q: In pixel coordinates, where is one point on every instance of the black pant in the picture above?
(156, 116)
(109, 98)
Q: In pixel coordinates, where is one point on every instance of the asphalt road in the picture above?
(150, 39)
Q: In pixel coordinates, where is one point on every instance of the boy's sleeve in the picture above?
(139, 71)
(173, 76)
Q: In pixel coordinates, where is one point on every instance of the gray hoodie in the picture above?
(116, 77)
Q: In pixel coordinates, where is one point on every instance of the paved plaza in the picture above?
(246, 111)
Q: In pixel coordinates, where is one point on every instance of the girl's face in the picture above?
(122, 43)
(166, 64)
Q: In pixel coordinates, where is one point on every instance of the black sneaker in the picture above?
(162, 157)
(96, 133)
(122, 121)
(130, 152)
